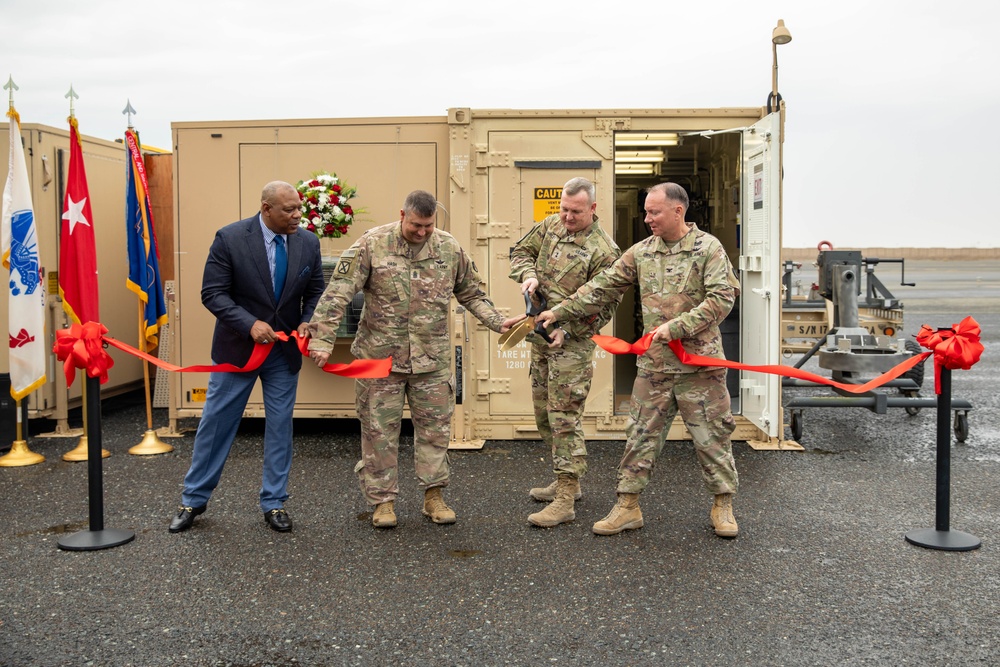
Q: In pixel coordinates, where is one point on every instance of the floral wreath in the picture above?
(325, 210)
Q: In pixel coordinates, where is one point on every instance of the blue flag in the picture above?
(143, 257)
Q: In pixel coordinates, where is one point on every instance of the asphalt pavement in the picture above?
(820, 574)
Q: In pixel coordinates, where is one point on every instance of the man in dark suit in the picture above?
(261, 276)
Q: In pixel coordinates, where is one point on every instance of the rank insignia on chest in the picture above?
(414, 274)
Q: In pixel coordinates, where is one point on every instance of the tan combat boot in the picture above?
(625, 515)
(722, 516)
(547, 494)
(560, 510)
(435, 507)
(384, 515)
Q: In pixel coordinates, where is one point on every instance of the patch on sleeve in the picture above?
(346, 262)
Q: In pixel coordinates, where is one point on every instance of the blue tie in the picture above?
(280, 266)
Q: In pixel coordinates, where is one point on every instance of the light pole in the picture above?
(779, 35)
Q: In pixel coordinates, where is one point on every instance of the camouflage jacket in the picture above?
(562, 262)
(690, 285)
(406, 299)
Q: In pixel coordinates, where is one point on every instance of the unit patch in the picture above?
(346, 262)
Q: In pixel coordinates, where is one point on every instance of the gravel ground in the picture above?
(820, 574)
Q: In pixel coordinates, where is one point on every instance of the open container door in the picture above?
(760, 261)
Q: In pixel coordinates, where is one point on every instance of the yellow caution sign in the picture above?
(546, 202)
(198, 395)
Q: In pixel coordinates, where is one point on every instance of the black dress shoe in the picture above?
(185, 518)
(278, 520)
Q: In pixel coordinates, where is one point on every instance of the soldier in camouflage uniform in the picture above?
(557, 257)
(687, 286)
(408, 271)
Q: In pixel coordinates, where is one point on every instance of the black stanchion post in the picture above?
(97, 537)
(941, 536)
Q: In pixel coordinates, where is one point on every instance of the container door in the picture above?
(525, 187)
(760, 259)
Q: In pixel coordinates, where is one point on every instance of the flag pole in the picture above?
(82, 450)
(97, 537)
(151, 443)
(20, 454)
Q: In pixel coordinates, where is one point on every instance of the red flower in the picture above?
(342, 229)
(311, 227)
(328, 228)
(313, 183)
(301, 196)
(313, 214)
(336, 188)
(348, 210)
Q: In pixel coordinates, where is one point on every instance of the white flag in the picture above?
(26, 320)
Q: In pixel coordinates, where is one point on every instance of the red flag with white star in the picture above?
(77, 249)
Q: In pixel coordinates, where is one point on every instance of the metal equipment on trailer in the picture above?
(852, 351)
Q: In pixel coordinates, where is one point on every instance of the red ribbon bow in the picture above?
(955, 348)
(82, 346)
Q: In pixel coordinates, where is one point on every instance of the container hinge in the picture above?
(486, 158)
(751, 263)
(491, 230)
(486, 385)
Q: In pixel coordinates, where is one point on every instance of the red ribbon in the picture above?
(618, 346)
(958, 347)
(81, 346)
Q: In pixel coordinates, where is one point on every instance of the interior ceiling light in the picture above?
(637, 169)
(656, 139)
(639, 156)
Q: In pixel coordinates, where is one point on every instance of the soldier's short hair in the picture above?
(420, 202)
(579, 184)
(672, 192)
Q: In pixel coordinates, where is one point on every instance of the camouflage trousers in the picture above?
(703, 402)
(431, 397)
(560, 382)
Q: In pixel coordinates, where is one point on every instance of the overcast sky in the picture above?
(890, 137)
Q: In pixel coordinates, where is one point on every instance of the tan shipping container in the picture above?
(497, 172)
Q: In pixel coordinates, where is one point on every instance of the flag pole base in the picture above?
(92, 540)
(19, 455)
(79, 453)
(944, 540)
(151, 445)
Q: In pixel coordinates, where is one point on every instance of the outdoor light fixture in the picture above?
(779, 35)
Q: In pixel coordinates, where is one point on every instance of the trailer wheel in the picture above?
(917, 372)
(795, 424)
(961, 425)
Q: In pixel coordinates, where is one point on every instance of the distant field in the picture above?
(905, 253)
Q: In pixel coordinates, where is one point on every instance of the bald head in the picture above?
(272, 189)
(280, 207)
